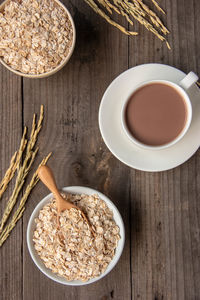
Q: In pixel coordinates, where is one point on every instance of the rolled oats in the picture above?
(70, 250)
(35, 35)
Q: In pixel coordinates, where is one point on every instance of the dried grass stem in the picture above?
(129, 9)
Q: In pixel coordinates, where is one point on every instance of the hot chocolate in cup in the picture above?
(158, 113)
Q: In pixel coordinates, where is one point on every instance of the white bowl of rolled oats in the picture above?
(70, 254)
(37, 37)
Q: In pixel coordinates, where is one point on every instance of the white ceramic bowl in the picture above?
(31, 227)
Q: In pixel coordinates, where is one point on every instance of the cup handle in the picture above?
(188, 80)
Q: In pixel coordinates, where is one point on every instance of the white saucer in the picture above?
(117, 141)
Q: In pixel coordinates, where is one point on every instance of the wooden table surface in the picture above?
(161, 211)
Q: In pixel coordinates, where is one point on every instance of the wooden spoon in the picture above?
(46, 176)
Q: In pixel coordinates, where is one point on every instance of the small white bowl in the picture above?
(31, 227)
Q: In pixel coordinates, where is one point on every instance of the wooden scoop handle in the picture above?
(46, 176)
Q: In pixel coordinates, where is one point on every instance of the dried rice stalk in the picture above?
(19, 212)
(123, 11)
(99, 11)
(137, 11)
(8, 175)
(112, 6)
(154, 18)
(24, 169)
(14, 165)
(105, 4)
(157, 6)
(132, 8)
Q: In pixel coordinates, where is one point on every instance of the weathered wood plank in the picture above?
(163, 235)
(71, 100)
(165, 231)
(11, 259)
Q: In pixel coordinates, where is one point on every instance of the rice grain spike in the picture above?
(104, 4)
(157, 6)
(7, 177)
(93, 5)
(24, 169)
(19, 212)
(136, 13)
(153, 17)
(14, 165)
(112, 6)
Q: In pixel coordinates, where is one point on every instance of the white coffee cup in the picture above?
(182, 88)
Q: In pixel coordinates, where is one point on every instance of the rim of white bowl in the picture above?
(37, 260)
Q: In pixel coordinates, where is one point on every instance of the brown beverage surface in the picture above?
(156, 114)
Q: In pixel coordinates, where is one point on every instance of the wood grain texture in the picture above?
(71, 99)
(161, 211)
(165, 212)
(11, 258)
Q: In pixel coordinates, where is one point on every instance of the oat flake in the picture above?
(71, 251)
(35, 35)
